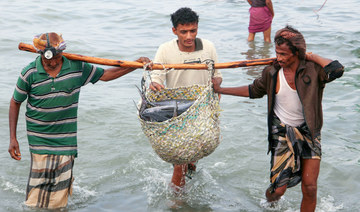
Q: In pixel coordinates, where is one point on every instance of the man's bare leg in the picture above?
(178, 178)
(251, 36)
(267, 35)
(310, 173)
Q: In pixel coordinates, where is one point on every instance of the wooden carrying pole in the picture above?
(133, 64)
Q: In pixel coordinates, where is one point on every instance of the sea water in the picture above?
(117, 170)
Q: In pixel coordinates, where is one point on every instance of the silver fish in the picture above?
(165, 110)
(162, 110)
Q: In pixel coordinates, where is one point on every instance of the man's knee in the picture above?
(309, 190)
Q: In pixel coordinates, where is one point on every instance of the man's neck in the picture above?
(53, 72)
(186, 48)
(293, 67)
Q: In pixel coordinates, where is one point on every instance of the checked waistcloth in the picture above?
(50, 181)
(289, 145)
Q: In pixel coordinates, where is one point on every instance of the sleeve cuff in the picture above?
(334, 66)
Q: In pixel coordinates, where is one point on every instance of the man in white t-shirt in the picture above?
(294, 86)
(186, 48)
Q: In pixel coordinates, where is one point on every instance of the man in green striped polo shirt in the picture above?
(52, 85)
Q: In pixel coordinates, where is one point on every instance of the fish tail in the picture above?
(142, 95)
(138, 109)
(143, 100)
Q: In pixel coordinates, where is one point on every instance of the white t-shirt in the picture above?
(287, 104)
(169, 53)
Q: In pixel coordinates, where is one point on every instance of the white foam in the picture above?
(220, 165)
(8, 186)
(327, 204)
(81, 195)
(84, 191)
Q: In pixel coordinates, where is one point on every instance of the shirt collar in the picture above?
(302, 65)
(276, 67)
(198, 44)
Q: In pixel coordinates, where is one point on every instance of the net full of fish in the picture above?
(159, 111)
(183, 123)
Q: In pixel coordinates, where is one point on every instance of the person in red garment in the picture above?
(294, 86)
(261, 16)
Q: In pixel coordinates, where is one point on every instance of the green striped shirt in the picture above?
(52, 105)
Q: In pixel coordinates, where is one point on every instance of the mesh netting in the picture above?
(190, 136)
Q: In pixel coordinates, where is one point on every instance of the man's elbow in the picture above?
(14, 102)
(104, 79)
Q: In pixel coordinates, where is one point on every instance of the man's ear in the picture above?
(174, 31)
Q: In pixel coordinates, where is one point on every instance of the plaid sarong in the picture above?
(289, 145)
(50, 181)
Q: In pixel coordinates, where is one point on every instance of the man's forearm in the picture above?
(114, 73)
(318, 59)
(13, 117)
(235, 91)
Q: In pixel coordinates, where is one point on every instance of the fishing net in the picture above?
(193, 134)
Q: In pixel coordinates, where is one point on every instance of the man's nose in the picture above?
(188, 35)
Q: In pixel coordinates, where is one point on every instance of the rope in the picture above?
(321, 6)
(316, 11)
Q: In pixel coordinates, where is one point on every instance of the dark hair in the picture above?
(293, 38)
(280, 40)
(184, 15)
